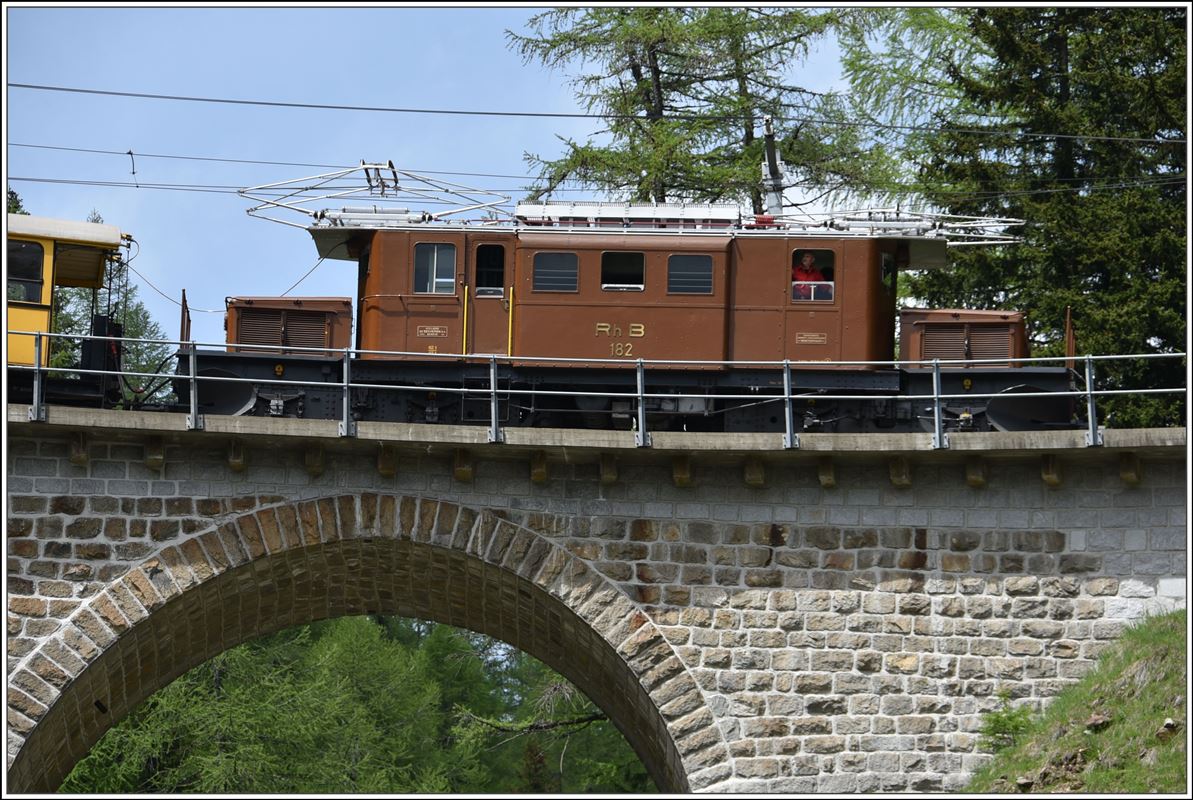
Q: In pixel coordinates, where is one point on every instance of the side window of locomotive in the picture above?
(623, 272)
(812, 275)
(689, 274)
(556, 272)
(490, 270)
(434, 268)
(24, 271)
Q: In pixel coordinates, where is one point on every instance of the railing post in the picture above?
(347, 424)
(1093, 436)
(940, 439)
(495, 434)
(641, 437)
(37, 411)
(194, 421)
(790, 437)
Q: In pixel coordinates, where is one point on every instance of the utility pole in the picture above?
(772, 177)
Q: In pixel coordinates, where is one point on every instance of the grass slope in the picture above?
(1122, 729)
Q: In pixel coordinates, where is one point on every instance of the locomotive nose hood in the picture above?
(924, 253)
(340, 242)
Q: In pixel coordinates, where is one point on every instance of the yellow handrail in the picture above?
(509, 337)
(464, 332)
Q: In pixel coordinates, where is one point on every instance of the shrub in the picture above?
(1004, 726)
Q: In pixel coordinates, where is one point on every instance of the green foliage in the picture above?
(898, 63)
(1070, 119)
(534, 774)
(1007, 724)
(362, 704)
(896, 60)
(555, 735)
(1120, 730)
(15, 206)
(326, 708)
(684, 92)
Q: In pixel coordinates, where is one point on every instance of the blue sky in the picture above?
(430, 57)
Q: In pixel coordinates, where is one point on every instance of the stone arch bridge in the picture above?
(753, 619)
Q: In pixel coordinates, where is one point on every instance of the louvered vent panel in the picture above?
(259, 326)
(306, 329)
(990, 341)
(943, 341)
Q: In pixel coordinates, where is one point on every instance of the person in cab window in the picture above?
(807, 281)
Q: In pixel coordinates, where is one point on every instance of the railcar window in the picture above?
(24, 271)
(490, 270)
(812, 275)
(556, 272)
(434, 268)
(623, 272)
(689, 274)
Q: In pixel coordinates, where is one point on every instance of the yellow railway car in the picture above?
(45, 255)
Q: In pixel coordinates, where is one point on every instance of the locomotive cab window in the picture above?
(24, 271)
(689, 274)
(434, 268)
(490, 270)
(623, 272)
(556, 272)
(812, 275)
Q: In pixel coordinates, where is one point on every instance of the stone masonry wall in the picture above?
(842, 639)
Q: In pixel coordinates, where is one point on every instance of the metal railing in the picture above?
(347, 424)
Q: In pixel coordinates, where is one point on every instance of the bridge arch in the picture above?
(285, 562)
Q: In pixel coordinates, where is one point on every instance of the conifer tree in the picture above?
(1083, 137)
(683, 92)
(1072, 119)
(15, 206)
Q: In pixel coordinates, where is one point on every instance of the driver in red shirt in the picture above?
(806, 270)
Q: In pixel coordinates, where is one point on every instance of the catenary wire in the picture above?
(304, 277)
(123, 153)
(1151, 181)
(569, 115)
(259, 162)
(200, 188)
(212, 310)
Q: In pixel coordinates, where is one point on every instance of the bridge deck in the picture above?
(520, 440)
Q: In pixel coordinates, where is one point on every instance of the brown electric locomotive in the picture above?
(571, 293)
(589, 314)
